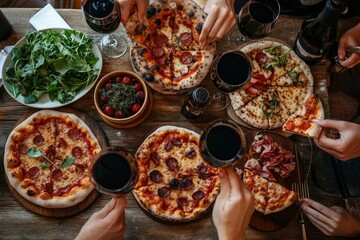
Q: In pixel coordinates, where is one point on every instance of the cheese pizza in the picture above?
(175, 183)
(165, 47)
(47, 159)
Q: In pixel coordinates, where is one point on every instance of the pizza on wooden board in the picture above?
(267, 157)
(175, 183)
(47, 159)
(165, 47)
(280, 84)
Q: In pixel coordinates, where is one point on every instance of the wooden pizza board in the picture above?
(275, 221)
(63, 212)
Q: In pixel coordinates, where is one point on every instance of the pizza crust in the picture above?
(77, 194)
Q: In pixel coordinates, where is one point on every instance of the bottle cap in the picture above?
(200, 95)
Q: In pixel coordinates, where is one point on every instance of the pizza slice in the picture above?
(278, 198)
(274, 110)
(154, 65)
(301, 121)
(292, 96)
(253, 112)
(189, 68)
(258, 186)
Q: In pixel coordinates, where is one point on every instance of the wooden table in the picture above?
(18, 223)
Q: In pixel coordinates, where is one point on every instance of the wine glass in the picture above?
(114, 171)
(256, 20)
(222, 143)
(230, 71)
(103, 16)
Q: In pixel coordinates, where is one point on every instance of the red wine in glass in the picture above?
(104, 16)
(222, 143)
(257, 18)
(114, 171)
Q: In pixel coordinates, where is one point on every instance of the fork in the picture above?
(302, 189)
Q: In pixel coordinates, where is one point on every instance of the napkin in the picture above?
(3, 56)
(46, 18)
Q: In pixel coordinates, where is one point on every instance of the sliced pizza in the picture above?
(257, 185)
(278, 198)
(301, 121)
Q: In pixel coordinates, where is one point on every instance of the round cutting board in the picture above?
(63, 212)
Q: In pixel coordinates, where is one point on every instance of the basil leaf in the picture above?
(34, 152)
(43, 165)
(68, 161)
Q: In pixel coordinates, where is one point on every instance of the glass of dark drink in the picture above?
(104, 16)
(256, 20)
(222, 143)
(230, 71)
(114, 171)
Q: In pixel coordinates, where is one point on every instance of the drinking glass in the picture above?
(256, 20)
(103, 16)
(114, 171)
(230, 71)
(222, 143)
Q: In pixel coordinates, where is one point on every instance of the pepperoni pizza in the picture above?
(165, 48)
(47, 158)
(175, 183)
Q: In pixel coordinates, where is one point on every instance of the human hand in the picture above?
(343, 148)
(333, 221)
(129, 6)
(220, 20)
(233, 207)
(108, 223)
(349, 38)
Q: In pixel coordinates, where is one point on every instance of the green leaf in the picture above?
(43, 165)
(68, 161)
(34, 152)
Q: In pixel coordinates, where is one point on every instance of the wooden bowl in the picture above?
(132, 116)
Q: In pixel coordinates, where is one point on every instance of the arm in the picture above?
(349, 38)
(345, 147)
(231, 220)
(108, 223)
(333, 221)
(129, 6)
(220, 20)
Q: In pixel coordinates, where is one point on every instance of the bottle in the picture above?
(5, 27)
(195, 102)
(317, 34)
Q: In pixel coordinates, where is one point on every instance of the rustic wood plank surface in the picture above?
(18, 223)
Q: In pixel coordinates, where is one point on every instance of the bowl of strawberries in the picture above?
(121, 97)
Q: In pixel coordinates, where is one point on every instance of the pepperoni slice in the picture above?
(162, 60)
(34, 172)
(155, 158)
(198, 195)
(38, 140)
(190, 154)
(204, 176)
(73, 133)
(22, 148)
(174, 184)
(80, 168)
(186, 58)
(169, 146)
(172, 163)
(187, 184)
(62, 143)
(261, 58)
(163, 192)
(186, 38)
(158, 52)
(201, 168)
(76, 152)
(57, 174)
(160, 40)
(156, 176)
(182, 202)
(175, 141)
(49, 188)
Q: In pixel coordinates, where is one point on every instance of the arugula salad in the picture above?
(57, 63)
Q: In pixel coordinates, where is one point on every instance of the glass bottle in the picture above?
(195, 102)
(5, 27)
(317, 34)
